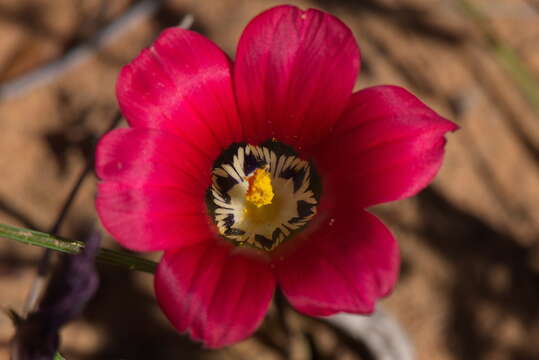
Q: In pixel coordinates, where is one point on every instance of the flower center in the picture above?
(262, 195)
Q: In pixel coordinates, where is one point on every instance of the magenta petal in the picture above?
(150, 198)
(388, 146)
(140, 157)
(350, 262)
(182, 85)
(152, 218)
(294, 73)
(214, 291)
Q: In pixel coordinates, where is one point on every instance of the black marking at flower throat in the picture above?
(273, 156)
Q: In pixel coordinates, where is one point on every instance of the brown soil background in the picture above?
(469, 286)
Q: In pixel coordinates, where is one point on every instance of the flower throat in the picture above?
(263, 195)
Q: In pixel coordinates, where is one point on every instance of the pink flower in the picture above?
(256, 173)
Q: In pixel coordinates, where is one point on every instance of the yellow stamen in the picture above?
(260, 191)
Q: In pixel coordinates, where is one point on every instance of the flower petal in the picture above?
(182, 84)
(152, 157)
(294, 73)
(345, 266)
(152, 192)
(388, 145)
(151, 218)
(214, 291)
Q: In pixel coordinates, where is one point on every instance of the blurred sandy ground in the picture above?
(469, 287)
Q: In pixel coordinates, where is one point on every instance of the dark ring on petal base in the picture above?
(295, 183)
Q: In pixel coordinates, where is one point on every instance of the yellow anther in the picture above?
(260, 191)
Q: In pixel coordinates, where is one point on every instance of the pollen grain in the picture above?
(260, 191)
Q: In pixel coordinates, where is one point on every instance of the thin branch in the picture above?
(144, 8)
(81, 53)
(40, 280)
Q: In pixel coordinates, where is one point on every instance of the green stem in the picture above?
(56, 243)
